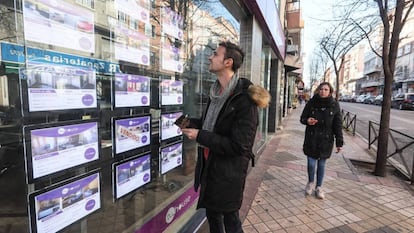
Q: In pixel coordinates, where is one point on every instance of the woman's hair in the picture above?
(331, 89)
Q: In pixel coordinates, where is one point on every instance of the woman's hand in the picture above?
(312, 121)
(338, 149)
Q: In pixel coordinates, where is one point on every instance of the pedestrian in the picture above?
(322, 117)
(225, 134)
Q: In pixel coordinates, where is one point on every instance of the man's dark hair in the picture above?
(234, 52)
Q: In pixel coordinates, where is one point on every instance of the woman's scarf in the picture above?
(217, 101)
(322, 103)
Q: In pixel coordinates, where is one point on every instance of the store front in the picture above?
(89, 93)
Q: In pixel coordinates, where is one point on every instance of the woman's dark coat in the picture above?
(222, 177)
(319, 138)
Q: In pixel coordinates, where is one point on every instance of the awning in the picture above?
(297, 71)
(292, 63)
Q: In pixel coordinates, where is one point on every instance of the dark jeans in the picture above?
(230, 221)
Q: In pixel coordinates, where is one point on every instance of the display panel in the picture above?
(132, 90)
(137, 9)
(131, 174)
(167, 127)
(171, 157)
(62, 204)
(59, 23)
(132, 45)
(59, 87)
(51, 148)
(131, 133)
(171, 57)
(172, 23)
(171, 92)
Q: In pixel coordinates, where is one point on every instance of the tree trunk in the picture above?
(382, 146)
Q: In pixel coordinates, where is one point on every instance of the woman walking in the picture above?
(322, 117)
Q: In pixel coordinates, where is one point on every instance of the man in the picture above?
(225, 133)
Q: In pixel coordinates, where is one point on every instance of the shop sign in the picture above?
(16, 53)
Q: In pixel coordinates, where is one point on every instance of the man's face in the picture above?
(217, 61)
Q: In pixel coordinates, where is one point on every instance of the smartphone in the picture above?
(180, 120)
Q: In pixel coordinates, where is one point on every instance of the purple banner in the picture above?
(130, 122)
(68, 189)
(169, 214)
(63, 131)
(171, 148)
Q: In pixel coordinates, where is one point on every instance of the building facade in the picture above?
(371, 80)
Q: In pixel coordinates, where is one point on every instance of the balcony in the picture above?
(372, 69)
(293, 15)
(371, 83)
(292, 49)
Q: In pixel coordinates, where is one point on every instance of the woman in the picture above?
(322, 117)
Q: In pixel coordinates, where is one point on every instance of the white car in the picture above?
(361, 98)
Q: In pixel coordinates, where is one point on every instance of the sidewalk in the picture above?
(356, 200)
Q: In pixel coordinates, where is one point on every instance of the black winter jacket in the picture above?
(319, 138)
(221, 178)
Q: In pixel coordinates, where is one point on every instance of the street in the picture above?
(400, 120)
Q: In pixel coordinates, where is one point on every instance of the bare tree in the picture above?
(7, 27)
(393, 22)
(318, 65)
(393, 15)
(339, 40)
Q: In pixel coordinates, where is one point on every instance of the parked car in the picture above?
(403, 101)
(360, 98)
(345, 98)
(353, 99)
(378, 100)
(369, 99)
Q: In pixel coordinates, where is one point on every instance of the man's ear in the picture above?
(229, 62)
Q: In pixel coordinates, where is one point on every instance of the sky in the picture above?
(313, 11)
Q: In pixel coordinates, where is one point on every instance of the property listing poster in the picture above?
(168, 128)
(133, 45)
(171, 157)
(132, 175)
(60, 207)
(172, 23)
(132, 133)
(57, 148)
(171, 57)
(59, 87)
(171, 92)
(59, 23)
(132, 90)
(136, 9)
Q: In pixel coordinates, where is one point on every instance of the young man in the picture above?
(225, 133)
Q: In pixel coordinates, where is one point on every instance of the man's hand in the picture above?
(190, 133)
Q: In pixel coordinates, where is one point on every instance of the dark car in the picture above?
(403, 101)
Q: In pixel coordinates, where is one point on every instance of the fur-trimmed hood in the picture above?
(260, 96)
